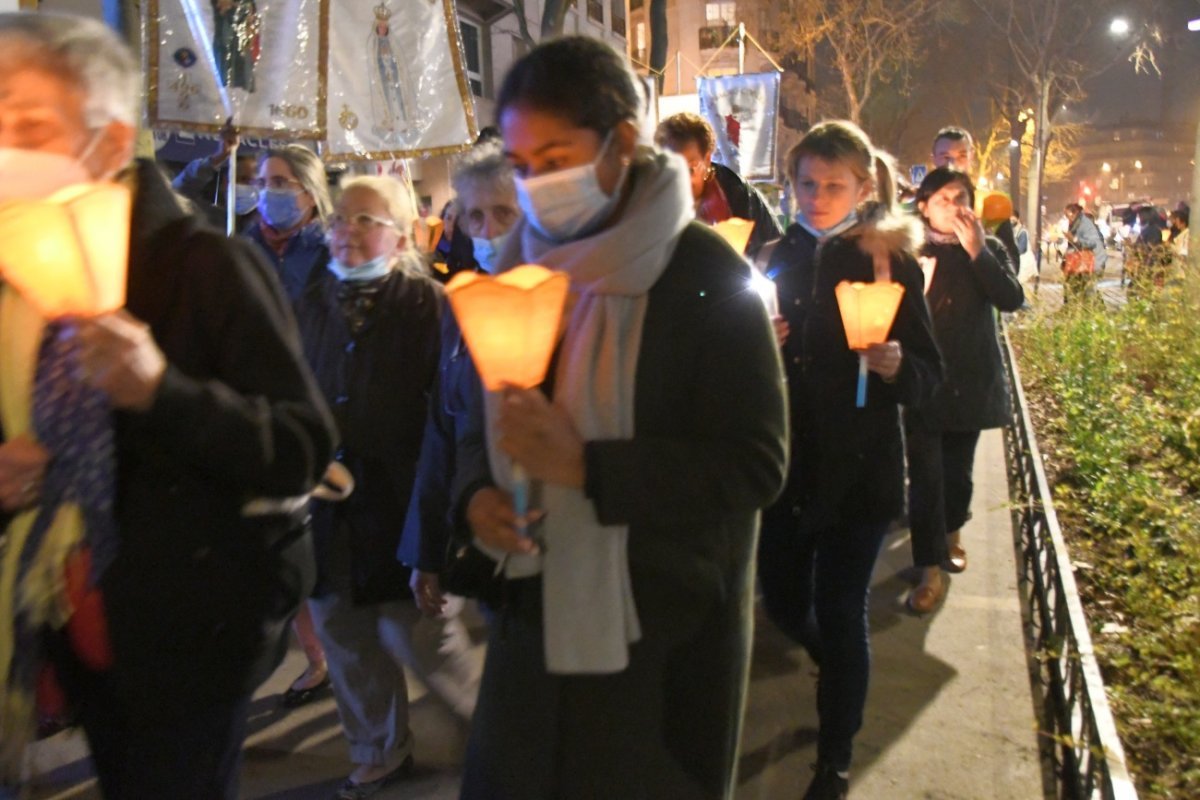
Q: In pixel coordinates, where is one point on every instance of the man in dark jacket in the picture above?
(719, 192)
(216, 433)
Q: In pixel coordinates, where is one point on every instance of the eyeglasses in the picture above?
(362, 221)
(277, 182)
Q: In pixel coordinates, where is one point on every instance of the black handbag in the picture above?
(469, 572)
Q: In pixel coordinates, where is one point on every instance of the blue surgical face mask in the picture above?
(488, 250)
(367, 271)
(280, 209)
(568, 203)
(245, 198)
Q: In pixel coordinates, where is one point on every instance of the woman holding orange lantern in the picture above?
(847, 473)
(617, 662)
(970, 278)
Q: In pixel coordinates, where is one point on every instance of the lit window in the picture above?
(721, 13)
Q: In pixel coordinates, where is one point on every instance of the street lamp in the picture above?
(1137, 164)
(1119, 26)
(1106, 167)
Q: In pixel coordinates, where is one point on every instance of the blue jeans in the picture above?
(815, 586)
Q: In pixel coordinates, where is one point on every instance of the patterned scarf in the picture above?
(74, 517)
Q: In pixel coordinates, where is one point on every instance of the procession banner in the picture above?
(397, 81)
(261, 63)
(742, 110)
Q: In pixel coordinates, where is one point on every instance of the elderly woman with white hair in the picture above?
(153, 427)
(370, 329)
(487, 198)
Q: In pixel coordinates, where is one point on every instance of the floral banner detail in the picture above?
(260, 63)
(397, 83)
(742, 110)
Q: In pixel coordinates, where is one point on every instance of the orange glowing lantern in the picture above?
(736, 231)
(510, 322)
(995, 208)
(68, 254)
(868, 311)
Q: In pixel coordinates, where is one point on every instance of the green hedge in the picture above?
(1115, 395)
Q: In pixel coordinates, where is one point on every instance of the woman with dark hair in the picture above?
(618, 661)
(968, 278)
(719, 192)
(846, 479)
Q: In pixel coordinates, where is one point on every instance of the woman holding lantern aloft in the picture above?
(969, 277)
(617, 664)
(846, 483)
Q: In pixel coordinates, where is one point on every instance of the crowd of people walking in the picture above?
(291, 431)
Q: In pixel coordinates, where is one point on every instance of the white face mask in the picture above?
(568, 203)
(33, 175)
(488, 250)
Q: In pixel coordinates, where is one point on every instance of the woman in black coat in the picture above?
(370, 328)
(968, 277)
(846, 484)
(618, 664)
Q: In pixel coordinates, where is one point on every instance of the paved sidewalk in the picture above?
(950, 715)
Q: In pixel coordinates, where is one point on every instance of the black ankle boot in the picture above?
(827, 785)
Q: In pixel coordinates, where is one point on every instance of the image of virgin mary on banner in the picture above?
(405, 94)
(260, 63)
(742, 110)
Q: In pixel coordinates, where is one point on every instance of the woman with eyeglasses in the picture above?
(369, 324)
(618, 659)
(293, 203)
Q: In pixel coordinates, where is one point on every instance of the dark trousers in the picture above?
(537, 736)
(183, 756)
(815, 587)
(940, 466)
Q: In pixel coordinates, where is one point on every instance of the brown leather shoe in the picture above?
(929, 593)
(957, 561)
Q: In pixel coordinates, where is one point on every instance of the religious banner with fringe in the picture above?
(742, 110)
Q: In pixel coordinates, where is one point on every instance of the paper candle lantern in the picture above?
(995, 208)
(868, 311)
(68, 254)
(510, 322)
(736, 231)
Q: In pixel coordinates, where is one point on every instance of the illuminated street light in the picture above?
(1013, 143)
(1137, 164)
(1119, 26)
(1106, 167)
(999, 177)
(1194, 25)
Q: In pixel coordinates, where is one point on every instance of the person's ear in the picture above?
(626, 135)
(113, 150)
(866, 191)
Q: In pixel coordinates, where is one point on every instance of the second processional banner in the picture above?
(742, 110)
(397, 81)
